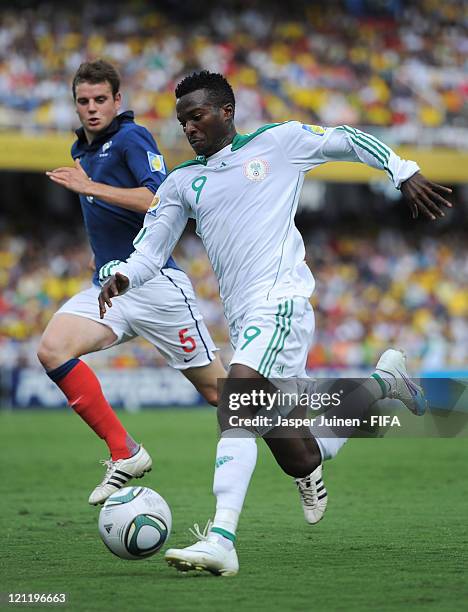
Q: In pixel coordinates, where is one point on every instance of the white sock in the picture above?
(379, 384)
(329, 447)
(235, 462)
(376, 388)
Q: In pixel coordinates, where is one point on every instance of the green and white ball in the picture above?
(135, 522)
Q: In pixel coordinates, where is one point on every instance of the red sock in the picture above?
(85, 396)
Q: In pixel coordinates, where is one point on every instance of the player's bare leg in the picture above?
(69, 336)
(235, 461)
(297, 452)
(66, 338)
(205, 379)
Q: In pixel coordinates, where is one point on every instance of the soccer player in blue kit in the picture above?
(117, 170)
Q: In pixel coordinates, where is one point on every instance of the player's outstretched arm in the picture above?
(116, 285)
(422, 195)
(425, 197)
(153, 244)
(75, 179)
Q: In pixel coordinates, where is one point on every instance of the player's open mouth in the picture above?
(94, 121)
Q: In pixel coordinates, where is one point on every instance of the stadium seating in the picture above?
(326, 66)
(372, 292)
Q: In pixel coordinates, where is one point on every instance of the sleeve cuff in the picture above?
(406, 170)
(111, 268)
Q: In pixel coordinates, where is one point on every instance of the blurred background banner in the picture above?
(129, 388)
(395, 69)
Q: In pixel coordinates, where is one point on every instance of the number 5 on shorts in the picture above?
(187, 340)
(250, 334)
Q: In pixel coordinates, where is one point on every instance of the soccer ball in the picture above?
(135, 522)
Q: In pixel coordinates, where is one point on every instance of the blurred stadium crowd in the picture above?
(372, 292)
(400, 68)
(323, 62)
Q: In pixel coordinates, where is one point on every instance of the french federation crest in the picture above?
(156, 162)
(256, 169)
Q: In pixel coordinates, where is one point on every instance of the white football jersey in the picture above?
(244, 199)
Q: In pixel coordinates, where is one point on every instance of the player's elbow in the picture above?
(142, 207)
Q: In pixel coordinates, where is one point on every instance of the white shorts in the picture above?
(274, 337)
(164, 311)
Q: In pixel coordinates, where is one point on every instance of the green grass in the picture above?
(394, 536)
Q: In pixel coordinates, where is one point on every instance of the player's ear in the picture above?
(228, 111)
(118, 99)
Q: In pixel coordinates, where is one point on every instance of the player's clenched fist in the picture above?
(117, 284)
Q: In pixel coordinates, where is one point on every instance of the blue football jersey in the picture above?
(124, 155)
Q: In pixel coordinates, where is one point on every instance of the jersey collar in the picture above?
(112, 128)
(239, 141)
(218, 154)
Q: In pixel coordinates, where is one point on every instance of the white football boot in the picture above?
(206, 555)
(392, 368)
(118, 473)
(313, 495)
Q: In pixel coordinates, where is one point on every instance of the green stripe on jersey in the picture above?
(360, 141)
(242, 139)
(140, 236)
(238, 142)
(278, 313)
(287, 331)
(276, 345)
(371, 140)
(280, 327)
(105, 271)
(371, 145)
(200, 160)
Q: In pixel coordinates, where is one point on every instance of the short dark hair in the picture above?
(220, 92)
(98, 71)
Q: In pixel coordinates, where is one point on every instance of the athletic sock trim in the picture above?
(382, 385)
(226, 534)
(58, 373)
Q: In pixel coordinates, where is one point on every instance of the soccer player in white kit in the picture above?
(243, 192)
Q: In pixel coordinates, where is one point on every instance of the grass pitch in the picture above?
(394, 536)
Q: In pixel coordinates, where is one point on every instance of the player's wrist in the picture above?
(407, 169)
(89, 187)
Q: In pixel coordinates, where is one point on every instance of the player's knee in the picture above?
(50, 353)
(210, 393)
(44, 353)
(299, 464)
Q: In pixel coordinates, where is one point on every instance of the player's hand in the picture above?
(116, 285)
(425, 197)
(73, 178)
